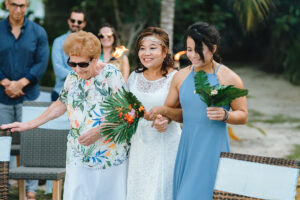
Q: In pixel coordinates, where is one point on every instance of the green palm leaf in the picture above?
(117, 127)
(218, 95)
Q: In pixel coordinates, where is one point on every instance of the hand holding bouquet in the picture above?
(218, 95)
(123, 111)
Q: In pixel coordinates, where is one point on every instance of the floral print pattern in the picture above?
(83, 99)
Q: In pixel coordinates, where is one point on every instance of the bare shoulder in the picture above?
(181, 75)
(227, 76)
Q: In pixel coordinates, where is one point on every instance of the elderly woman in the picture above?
(96, 168)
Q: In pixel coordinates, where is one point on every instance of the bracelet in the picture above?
(226, 115)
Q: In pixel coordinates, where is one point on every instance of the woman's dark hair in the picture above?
(164, 38)
(115, 35)
(202, 32)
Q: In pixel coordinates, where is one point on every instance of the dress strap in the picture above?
(218, 67)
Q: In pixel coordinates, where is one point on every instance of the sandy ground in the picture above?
(274, 98)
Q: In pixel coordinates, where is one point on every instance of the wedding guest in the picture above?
(152, 154)
(204, 135)
(24, 54)
(110, 41)
(95, 168)
(76, 22)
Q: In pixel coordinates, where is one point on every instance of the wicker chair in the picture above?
(43, 157)
(248, 177)
(5, 144)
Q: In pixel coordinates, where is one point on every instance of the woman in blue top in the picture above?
(109, 42)
(204, 134)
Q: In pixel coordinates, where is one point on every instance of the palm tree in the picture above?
(252, 12)
(167, 18)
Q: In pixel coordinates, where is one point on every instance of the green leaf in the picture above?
(224, 94)
(117, 128)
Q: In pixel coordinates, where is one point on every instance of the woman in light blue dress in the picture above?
(204, 134)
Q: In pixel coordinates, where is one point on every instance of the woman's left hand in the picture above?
(89, 137)
(215, 113)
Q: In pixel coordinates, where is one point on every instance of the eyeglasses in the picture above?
(74, 20)
(108, 35)
(21, 6)
(80, 64)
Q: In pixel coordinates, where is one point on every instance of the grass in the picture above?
(256, 116)
(296, 153)
(13, 194)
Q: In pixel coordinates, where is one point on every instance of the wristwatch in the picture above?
(226, 115)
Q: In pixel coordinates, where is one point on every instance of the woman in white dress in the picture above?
(153, 152)
(96, 169)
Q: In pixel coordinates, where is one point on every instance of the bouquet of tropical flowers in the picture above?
(122, 113)
(218, 95)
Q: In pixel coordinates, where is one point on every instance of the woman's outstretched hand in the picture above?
(215, 113)
(16, 126)
(89, 137)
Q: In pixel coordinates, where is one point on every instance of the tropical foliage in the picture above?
(263, 31)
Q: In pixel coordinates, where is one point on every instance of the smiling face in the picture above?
(76, 22)
(16, 9)
(87, 72)
(194, 57)
(151, 53)
(106, 36)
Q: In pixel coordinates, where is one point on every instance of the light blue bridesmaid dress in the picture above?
(202, 141)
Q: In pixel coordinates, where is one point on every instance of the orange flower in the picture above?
(141, 108)
(107, 141)
(129, 107)
(128, 118)
(121, 114)
(112, 146)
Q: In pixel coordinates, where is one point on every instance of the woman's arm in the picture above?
(171, 108)
(239, 113)
(55, 110)
(125, 68)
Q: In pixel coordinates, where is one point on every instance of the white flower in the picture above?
(214, 92)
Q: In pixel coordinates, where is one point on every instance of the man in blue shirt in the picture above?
(76, 23)
(24, 54)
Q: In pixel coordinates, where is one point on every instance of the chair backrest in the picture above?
(44, 148)
(32, 109)
(257, 177)
(45, 94)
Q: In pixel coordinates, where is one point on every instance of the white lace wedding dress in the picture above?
(152, 154)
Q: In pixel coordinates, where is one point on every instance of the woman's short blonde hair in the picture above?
(83, 44)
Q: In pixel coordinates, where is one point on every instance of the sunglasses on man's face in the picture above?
(80, 64)
(108, 35)
(74, 20)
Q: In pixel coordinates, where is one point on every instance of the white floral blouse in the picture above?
(83, 99)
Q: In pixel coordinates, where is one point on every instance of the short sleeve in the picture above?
(64, 92)
(117, 81)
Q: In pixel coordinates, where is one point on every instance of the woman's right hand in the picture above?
(16, 126)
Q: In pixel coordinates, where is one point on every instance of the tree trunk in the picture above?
(167, 18)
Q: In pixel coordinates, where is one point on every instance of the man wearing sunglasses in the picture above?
(24, 54)
(76, 23)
